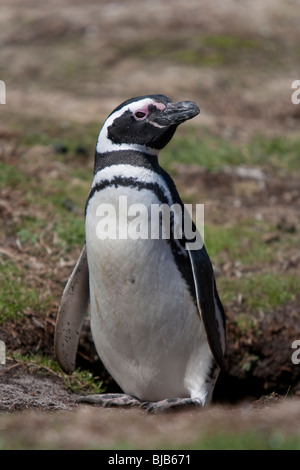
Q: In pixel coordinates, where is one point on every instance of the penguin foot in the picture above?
(109, 399)
(171, 404)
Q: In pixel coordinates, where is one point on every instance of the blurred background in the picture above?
(75, 61)
(66, 65)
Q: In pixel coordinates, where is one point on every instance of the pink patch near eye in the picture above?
(142, 113)
(160, 106)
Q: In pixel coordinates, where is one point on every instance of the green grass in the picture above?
(59, 213)
(246, 440)
(205, 50)
(59, 202)
(65, 137)
(198, 147)
(69, 195)
(246, 323)
(260, 292)
(260, 437)
(226, 42)
(17, 296)
(261, 285)
(214, 153)
(242, 242)
(219, 440)
(224, 439)
(189, 146)
(29, 228)
(62, 227)
(10, 176)
(71, 232)
(279, 152)
(216, 50)
(68, 207)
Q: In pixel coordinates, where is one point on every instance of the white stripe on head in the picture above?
(104, 144)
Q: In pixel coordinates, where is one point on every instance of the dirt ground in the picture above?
(111, 44)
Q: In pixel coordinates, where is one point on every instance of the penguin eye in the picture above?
(140, 115)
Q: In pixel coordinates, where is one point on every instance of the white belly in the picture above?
(144, 323)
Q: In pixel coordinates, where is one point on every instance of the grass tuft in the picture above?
(78, 382)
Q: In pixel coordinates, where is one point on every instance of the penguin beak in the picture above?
(177, 113)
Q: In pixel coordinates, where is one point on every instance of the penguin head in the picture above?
(144, 123)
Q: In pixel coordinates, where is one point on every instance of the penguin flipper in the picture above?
(72, 310)
(207, 298)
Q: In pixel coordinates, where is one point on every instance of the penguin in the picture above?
(156, 318)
